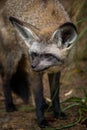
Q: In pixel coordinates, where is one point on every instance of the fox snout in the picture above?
(41, 62)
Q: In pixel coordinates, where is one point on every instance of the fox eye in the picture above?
(34, 55)
(47, 55)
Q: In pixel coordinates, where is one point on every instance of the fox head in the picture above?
(46, 51)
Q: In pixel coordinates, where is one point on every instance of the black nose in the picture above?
(33, 66)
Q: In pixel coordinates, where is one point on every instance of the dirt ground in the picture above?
(72, 83)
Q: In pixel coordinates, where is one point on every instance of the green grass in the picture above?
(81, 104)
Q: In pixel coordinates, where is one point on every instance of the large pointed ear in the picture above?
(25, 30)
(65, 35)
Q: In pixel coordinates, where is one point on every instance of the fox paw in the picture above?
(61, 115)
(11, 108)
(43, 124)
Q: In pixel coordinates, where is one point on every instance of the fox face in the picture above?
(46, 51)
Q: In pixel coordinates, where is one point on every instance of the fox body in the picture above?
(46, 47)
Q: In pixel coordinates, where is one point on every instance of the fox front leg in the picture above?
(37, 86)
(54, 80)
